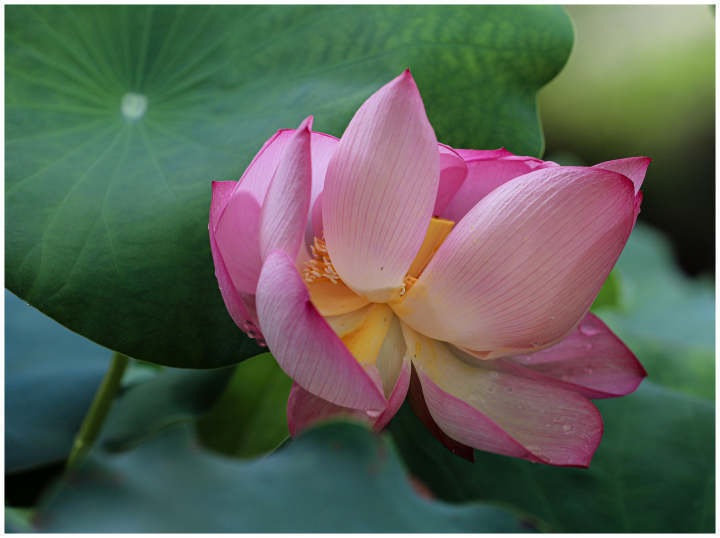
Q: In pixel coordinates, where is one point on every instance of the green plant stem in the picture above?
(99, 408)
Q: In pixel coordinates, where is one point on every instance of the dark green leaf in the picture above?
(106, 211)
(23, 489)
(250, 417)
(172, 396)
(653, 472)
(51, 376)
(609, 296)
(337, 478)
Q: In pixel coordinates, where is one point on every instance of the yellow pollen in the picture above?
(320, 266)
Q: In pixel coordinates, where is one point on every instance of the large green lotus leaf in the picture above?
(249, 419)
(51, 376)
(653, 472)
(336, 478)
(107, 205)
(666, 318)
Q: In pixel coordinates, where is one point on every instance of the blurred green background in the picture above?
(641, 81)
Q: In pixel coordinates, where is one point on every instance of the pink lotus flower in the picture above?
(358, 260)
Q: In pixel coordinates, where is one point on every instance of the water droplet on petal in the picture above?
(567, 428)
(588, 329)
(372, 413)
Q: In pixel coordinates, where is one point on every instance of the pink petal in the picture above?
(487, 170)
(304, 409)
(316, 227)
(304, 345)
(221, 192)
(239, 230)
(284, 213)
(380, 190)
(590, 360)
(420, 408)
(632, 167)
(452, 174)
(256, 178)
(322, 147)
(638, 202)
(238, 311)
(469, 155)
(248, 301)
(389, 366)
(524, 265)
(238, 239)
(238, 224)
(396, 398)
(453, 171)
(489, 409)
(474, 155)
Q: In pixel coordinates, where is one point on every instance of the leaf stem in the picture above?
(99, 408)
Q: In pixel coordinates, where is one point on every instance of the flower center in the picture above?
(332, 297)
(328, 292)
(320, 266)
